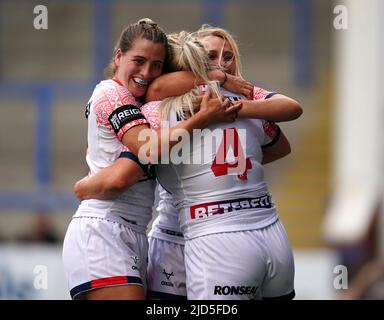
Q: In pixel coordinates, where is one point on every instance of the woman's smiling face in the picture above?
(219, 53)
(140, 65)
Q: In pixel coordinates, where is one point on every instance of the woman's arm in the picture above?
(212, 110)
(109, 182)
(180, 82)
(278, 108)
(171, 84)
(238, 85)
(278, 150)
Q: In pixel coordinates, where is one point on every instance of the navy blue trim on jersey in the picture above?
(275, 139)
(288, 296)
(87, 110)
(270, 95)
(130, 155)
(156, 295)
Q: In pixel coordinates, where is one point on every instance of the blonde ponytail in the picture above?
(188, 55)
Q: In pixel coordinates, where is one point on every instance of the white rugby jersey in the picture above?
(222, 188)
(111, 111)
(166, 225)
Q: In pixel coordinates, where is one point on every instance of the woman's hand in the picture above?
(80, 187)
(238, 85)
(216, 110)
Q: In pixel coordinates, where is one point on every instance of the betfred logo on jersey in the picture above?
(234, 290)
(123, 115)
(206, 210)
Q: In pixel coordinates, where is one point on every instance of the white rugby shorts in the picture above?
(101, 253)
(241, 265)
(166, 270)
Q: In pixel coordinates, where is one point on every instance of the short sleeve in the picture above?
(116, 108)
(271, 133)
(151, 111)
(260, 93)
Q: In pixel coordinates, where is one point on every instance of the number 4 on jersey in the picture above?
(221, 167)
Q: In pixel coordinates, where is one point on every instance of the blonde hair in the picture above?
(207, 30)
(187, 54)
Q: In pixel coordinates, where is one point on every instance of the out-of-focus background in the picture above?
(329, 191)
